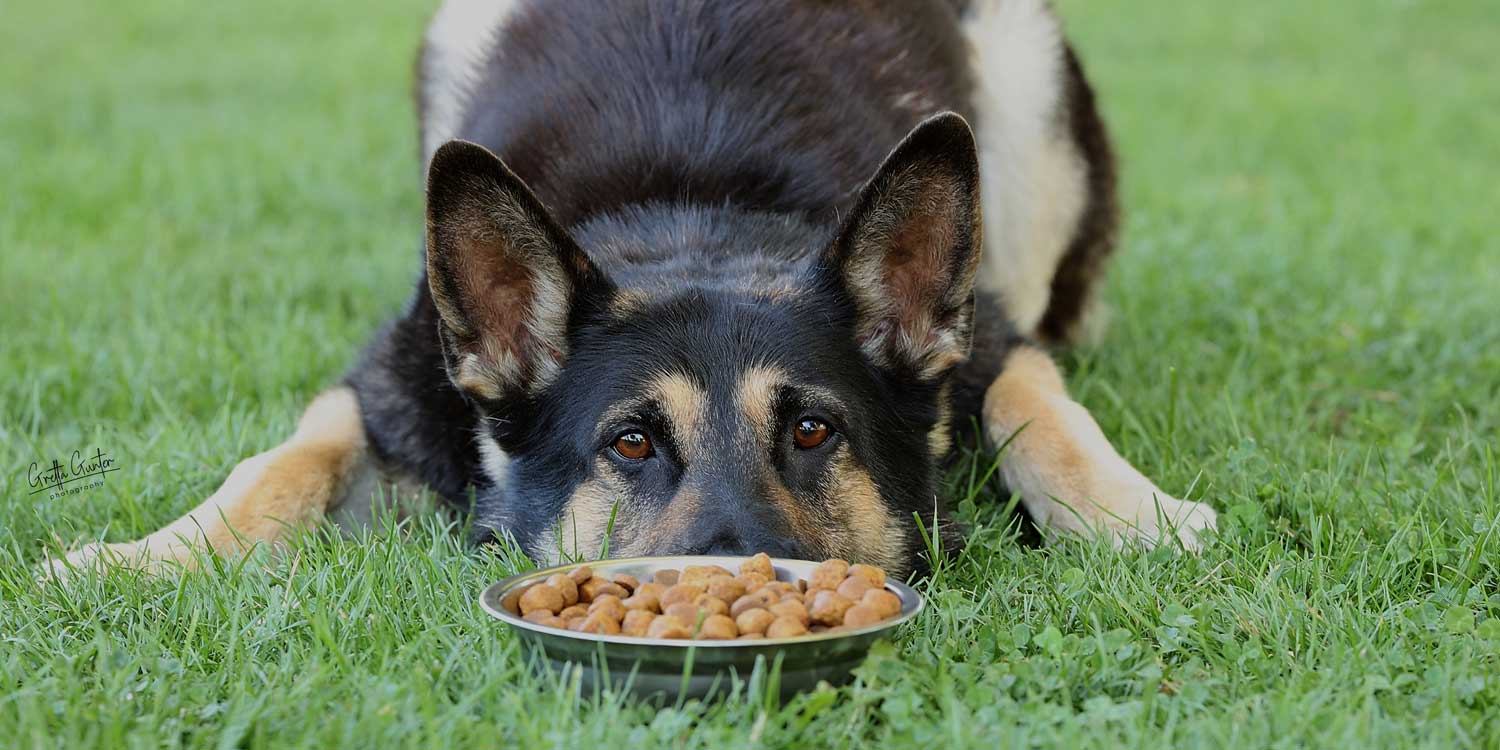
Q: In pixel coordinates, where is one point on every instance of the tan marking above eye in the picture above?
(810, 433)
(634, 445)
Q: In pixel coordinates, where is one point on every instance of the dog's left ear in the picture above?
(908, 253)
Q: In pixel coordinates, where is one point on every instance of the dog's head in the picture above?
(806, 418)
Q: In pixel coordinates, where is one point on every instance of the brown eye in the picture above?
(633, 445)
(811, 433)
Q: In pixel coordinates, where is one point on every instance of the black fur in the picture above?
(702, 154)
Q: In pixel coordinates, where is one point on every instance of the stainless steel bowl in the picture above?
(657, 668)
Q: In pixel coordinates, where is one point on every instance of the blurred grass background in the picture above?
(208, 207)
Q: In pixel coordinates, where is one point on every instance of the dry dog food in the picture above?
(710, 602)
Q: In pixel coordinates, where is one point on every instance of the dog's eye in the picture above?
(633, 445)
(811, 433)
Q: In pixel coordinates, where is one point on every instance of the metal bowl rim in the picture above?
(491, 595)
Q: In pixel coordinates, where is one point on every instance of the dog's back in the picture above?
(783, 106)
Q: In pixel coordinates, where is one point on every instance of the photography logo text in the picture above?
(84, 470)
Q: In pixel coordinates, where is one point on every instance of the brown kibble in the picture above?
(792, 608)
(643, 601)
(608, 605)
(828, 608)
(711, 604)
(861, 615)
(752, 581)
(628, 582)
(802, 585)
(870, 573)
(566, 585)
(786, 627)
(758, 599)
(541, 596)
(781, 588)
(682, 592)
(650, 587)
(576, 623)
(754, 621)
(717, 628)
(751, 637)
(599, 622)
(596, 587)
(684, 611)
(668, 626)
(581, 574)
(577, 610)
(511, 602)
(884, 603)
(854, 587)
(726, 589)
(828, 575)
(701, 575)
(759, 564)
(637, 622)
(538, 615)
(666, 577)
(553, 622)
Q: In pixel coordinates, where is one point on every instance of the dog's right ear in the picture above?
(507, 281)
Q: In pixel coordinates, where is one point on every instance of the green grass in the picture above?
(207, 207)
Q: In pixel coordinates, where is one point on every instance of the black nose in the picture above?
(726, 540)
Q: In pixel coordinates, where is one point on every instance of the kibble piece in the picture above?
(668, 626)
(828, 608)
(883, 602)
(751, 637)
(599, 622)
(538, 615)
(576, 623)
(854, 587)
(760, 564)
(726, 589)
(628, 582)
(652, 588)
(785, 627)
(609, 605)
(711, 604)
(541, 596)
(752, 581)
(581, 574)
(828, 575)
(758, 599)
(754, 621)
(637, 622)
(781, 588)
(792, 608)
(861, 615)
(682, 592)
(642, 600)
(596, 586)
(802, 584)
(553, 622)
(717, 628)
(566, 585)
(701, 575)
(684, 611)
(870, 573)
(665, 577)
(577, 610)
(511, 602)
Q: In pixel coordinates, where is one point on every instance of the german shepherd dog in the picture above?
(709, 277)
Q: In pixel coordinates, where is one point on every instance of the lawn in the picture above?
(208, 206)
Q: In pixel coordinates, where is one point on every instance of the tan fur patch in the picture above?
(584, 521)
(645, 536)
(869, 532)
(756, 394)
(267, 496)
(1067, 473)
(940, 437)
(685, 405)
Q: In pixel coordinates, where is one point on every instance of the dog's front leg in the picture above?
(1066, 472)
(264, 499)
